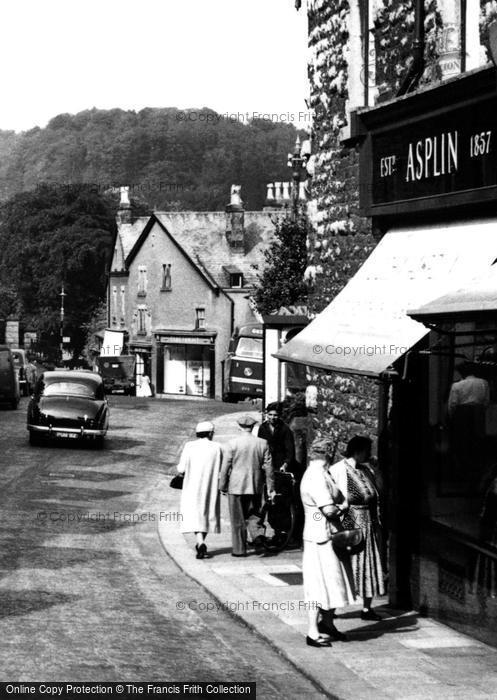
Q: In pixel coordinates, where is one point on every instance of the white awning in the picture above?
(112, 343)
(365, 328)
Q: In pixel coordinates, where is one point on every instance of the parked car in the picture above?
(9, 381)
(118, 373)
(21, 366)
(68, 404)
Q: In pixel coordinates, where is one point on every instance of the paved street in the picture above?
(87, 592)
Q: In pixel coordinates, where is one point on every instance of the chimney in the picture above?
(124, 212)
(235, 221)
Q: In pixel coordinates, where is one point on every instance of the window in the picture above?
(200, 318)
(166, 277)
(123, 301)
(142, 281)
(249, 347)
(142, 329)
(236, 279)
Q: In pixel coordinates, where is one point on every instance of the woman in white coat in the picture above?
(200, 463)
(328, 581)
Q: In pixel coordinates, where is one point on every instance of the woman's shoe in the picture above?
(370, 615)
(201, 550)
(319, 642)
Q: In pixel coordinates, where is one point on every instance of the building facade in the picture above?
(179, 285)
(406, 237)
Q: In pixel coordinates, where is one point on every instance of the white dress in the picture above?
(143, 389)
(328, 580)
(200, 462)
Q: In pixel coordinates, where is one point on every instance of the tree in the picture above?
(282, 280)
(53, 236)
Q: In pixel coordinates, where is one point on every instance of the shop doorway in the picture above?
(188, 370)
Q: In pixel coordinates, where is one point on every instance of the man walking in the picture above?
(247, 467)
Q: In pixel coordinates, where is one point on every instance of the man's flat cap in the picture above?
(246, 421)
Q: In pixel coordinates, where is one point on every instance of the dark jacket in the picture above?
(281, 443)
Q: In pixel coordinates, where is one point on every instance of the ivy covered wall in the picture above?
(342, 240)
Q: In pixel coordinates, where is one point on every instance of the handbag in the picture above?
(350, 540)
(177, 481)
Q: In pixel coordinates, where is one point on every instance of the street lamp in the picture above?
(297, 162)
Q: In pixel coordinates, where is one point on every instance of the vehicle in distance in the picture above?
(9, 381)
(68, 404)
(21, 366)
(243, 365)
(118, 373)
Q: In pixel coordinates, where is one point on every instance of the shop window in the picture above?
(461, 465)
(236, 279)
(200, 318)
(142, 281)
(166, 278)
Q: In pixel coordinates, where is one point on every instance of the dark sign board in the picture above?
(433, 156)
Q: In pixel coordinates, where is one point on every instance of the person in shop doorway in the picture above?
(144, 389)
(246, 468)
(200, 463)
(357, 481)
(467, 404)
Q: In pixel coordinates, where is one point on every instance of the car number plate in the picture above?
(66, 435)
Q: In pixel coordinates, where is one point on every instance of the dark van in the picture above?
(9, 382)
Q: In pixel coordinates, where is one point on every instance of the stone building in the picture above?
(405, 94)
(359, 52)
(179, 284)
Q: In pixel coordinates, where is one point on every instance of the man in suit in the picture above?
(247, 467)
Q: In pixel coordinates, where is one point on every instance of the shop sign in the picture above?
(451, 153)
(186, 340)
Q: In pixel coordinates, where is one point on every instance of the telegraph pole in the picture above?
(62, 295)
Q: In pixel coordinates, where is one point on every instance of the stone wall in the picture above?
(342, 240)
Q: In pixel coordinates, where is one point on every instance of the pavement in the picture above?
(404, 656)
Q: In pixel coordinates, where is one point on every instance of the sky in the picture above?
(235, 56)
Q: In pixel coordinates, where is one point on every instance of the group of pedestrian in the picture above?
(340, 497)
(336, 497)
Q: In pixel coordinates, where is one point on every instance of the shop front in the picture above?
(420, 316)
(185, 363)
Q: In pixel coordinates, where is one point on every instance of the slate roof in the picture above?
(202, 235)
(127, 236)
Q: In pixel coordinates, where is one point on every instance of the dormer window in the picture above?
(236, 279)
